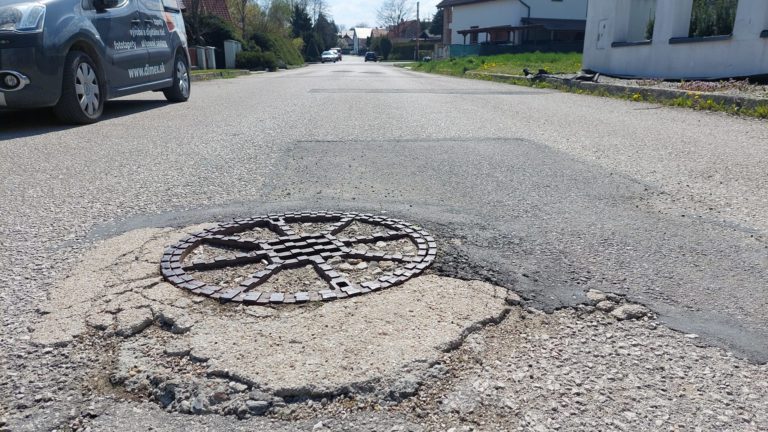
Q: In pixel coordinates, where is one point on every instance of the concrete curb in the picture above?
(647, 93)
(231, 73)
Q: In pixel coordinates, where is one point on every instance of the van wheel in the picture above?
(82, 92)
(179, 91)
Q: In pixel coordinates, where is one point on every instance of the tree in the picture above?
(213, 31)
(436, 28)
(246, 13)
(393, 12)
(373, 44)
(301, 23)
(317, 8)
(239, 11)
(313, 48)
(194, 9)
(385, 45)
(279, 16)
(326, 32)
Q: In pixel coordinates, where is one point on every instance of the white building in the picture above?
(359, 36)
(470, 22)
(650, 39)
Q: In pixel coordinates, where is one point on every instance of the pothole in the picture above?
(175, 346)
(304, 239)
(445, 352)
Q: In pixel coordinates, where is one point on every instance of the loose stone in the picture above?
(133, 321)
(606, 306)
(594, 296)
(629, 311)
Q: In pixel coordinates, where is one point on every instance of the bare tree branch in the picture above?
(392, 12)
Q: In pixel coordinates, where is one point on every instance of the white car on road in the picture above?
(329, 56)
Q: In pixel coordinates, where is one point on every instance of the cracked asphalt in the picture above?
(547, 194)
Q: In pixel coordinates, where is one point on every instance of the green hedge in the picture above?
(213, 31)
(404, 51)
(256, 60)
(282, 47)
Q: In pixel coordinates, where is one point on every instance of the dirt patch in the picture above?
(360, 229)
(308, 228)
(258, 234)
(303, 279)
(228, 276)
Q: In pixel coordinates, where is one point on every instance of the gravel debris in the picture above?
(732, 87)
(576, 370)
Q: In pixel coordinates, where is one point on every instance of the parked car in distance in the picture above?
(73, 55)
(338, 52)
(370, 56)
(328, 56)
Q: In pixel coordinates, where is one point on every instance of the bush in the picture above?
(405, 51)
(385, 45)
(313, 49)
(256, 60)
(283, 48)
(214, 31)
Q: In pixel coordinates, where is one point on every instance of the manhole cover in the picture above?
(274, 258)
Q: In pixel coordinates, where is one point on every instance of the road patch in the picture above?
(194, 354)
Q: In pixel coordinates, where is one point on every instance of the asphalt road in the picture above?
(548, 194)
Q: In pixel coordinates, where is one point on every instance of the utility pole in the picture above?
(418, 31)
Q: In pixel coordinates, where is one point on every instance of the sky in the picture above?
(352, 12)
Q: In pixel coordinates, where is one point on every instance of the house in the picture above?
(379, 33)
(210, 7)
(216, 7)
(512, 22)
(663, 39)
(405, 31)
(360, 36)
(429, 37)
(347, 40)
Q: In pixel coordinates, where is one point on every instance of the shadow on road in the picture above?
(22, 124)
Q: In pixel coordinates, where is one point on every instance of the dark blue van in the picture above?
(73, 55)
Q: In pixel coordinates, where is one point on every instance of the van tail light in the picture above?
(169, 22)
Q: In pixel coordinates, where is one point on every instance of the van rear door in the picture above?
(158, 39)
(121, 30)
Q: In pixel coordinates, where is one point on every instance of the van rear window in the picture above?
(171, 4)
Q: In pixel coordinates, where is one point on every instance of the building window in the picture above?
(712, 17)
(635, 22)
(642, 20)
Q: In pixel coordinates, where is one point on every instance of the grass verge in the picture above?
(688, 100)
(206, 74)
(513, 64)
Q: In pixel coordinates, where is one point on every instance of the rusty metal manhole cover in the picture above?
(298, 257)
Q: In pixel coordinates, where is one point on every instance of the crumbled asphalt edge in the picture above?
(452, 261)
(286, 406)
(242, 397)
